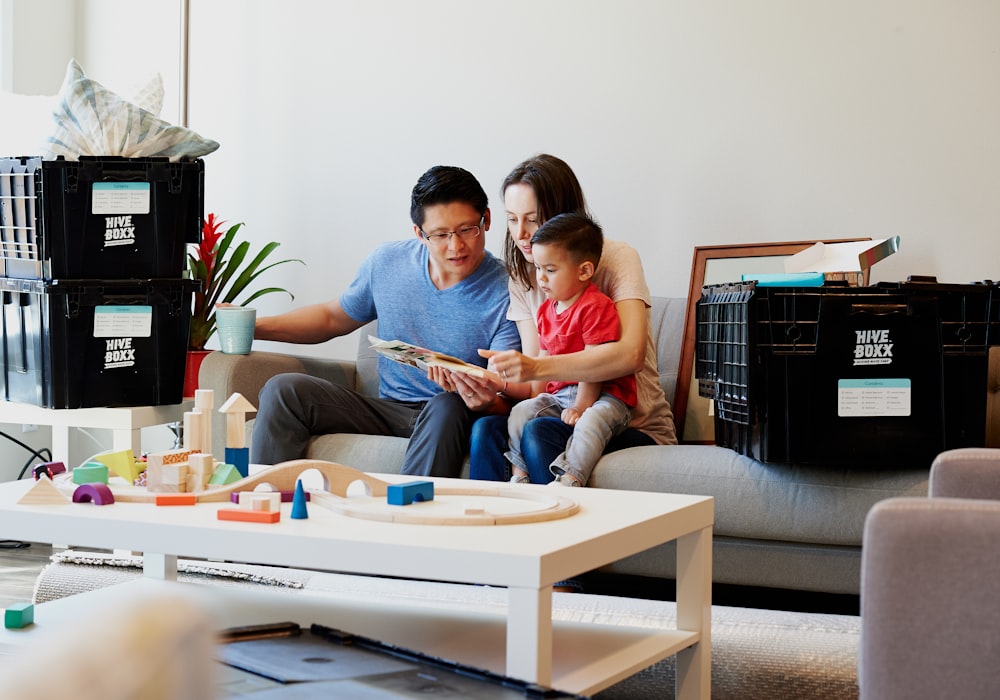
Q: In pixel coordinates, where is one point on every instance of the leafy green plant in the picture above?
(226, 270)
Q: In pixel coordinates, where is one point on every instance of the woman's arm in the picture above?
(596, 364)
(316, 323)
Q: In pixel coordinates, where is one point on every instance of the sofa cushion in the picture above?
(761, 501)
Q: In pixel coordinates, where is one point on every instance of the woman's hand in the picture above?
(512, 365)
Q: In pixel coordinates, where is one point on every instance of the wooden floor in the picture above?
(19, 567)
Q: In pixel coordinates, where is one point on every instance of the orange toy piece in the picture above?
(176, 499)
(250, 516)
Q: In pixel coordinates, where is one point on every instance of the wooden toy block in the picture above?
(239, 457)
(200, 468)
(50, 469)
(263, 504)
(44, 492)
(18, 615)
(247, 499)
(123, 463)
(204, 399)
(192, 430)
(225, 474)
(405, 494)
(236, 407)
(176, 499)
(249, 516)
(172, 456)
(90, 473)
(173, 478)
(98, 494)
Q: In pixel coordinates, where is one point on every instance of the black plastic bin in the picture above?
(99, 218)
(86, 343)
(885, 377)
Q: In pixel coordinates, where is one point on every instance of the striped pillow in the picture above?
(94, 121)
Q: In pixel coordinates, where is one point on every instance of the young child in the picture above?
(574, 315)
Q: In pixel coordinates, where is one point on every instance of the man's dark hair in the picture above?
(575, 233)
(444, 184)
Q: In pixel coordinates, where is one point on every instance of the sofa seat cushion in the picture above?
(761, 501)
(368, 453)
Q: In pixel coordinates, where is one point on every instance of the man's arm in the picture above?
(596, 364)
(310, 324)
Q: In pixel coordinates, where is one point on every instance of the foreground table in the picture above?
(525, 558)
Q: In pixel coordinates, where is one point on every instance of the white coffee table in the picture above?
(525, 558)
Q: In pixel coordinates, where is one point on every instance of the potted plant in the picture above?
(226, 269)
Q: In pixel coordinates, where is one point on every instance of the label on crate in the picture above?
(123, 321)
(120, 198)
(863, 398)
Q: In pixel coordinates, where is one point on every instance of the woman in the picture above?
(536, 190)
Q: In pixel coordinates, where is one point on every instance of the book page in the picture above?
(422, 358)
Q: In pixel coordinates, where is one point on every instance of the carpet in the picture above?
(756, 654)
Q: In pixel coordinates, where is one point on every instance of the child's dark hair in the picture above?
(576, 233)
(444, 184)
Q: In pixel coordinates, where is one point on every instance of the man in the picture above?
(441, 290)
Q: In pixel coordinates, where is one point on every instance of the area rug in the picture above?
(756, 654)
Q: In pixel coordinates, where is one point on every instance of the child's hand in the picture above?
(571, 415)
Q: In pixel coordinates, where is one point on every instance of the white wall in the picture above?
(689, 123)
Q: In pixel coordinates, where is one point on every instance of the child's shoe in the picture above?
(565, 480)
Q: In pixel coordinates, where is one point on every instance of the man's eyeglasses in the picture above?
(466, 233)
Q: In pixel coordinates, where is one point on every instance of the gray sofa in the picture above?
(776, 526)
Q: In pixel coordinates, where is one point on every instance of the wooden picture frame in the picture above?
(692, 417)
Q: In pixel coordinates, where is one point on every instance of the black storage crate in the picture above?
(85, 343)
(873, 377)
(99, 217)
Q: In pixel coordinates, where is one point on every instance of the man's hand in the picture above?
(478, 394)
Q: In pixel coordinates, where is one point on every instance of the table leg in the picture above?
(60, 445)
(161, 566)
(694, 612)
(125, 439)
(529, 634)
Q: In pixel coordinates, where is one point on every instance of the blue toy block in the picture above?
(299, 509)
(239, 457)
(18, 615)
(405, 494)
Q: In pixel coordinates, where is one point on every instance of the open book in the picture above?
(422, 358)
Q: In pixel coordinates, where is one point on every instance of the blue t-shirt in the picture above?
(394, 286)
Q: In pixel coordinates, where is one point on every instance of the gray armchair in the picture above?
(930, 569)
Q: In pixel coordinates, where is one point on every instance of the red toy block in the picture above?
(176, 499)
(249, 516)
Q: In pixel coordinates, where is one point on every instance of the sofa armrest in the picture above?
(967, 472)
(929, 617)
(246, 374)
